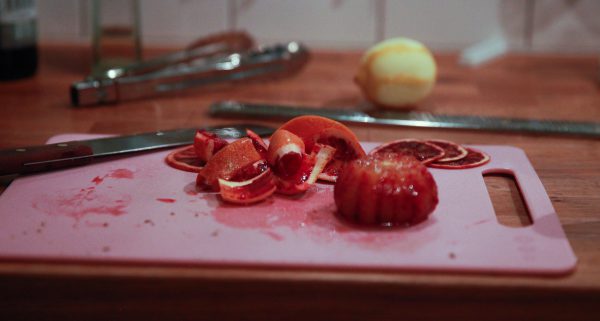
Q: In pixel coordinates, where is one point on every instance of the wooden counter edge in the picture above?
(125, 293)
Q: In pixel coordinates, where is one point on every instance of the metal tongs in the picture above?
(219, 58)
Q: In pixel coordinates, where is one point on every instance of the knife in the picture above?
(407, 118)
(67, 154)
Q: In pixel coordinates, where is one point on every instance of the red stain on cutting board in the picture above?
(117, 174)
(77, 203)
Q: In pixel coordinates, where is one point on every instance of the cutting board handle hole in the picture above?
(508, 202)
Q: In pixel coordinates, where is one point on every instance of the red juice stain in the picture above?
(276, 212)
(166, 200)
(79, 202)
(241, 217)
(121, 173)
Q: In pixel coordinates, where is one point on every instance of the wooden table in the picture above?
(532, 86)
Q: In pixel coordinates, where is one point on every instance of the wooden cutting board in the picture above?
(138, 210)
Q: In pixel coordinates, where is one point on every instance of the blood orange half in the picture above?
(310, 128)
(320, 130)
(474, 158)
(421, 150)
(452, 151)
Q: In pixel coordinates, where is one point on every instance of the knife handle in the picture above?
(41, 158)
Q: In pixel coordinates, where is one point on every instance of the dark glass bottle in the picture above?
(18, 39)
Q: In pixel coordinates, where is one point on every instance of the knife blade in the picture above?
(407, 118)
(67, 154)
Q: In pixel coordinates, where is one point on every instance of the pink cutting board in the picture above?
(138, 210)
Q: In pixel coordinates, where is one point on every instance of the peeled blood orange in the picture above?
(422, 151)
(385, 190)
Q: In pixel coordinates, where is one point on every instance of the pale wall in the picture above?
(528, 25)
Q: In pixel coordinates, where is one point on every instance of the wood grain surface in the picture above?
(525, 86)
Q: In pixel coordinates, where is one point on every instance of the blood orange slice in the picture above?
(331, 172)
(295, 169)
(422, 151)
(285, 153)
(344, 141)
(185, 159)
(347, 148)
(296, 182)
(311, 168)
(250, 191)
(229, 161)
(323, 154)
(452, 151)
(250, 171)
(207, 144)
(258, 142)
(474, 158)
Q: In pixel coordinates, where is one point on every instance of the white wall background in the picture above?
(571, 26)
